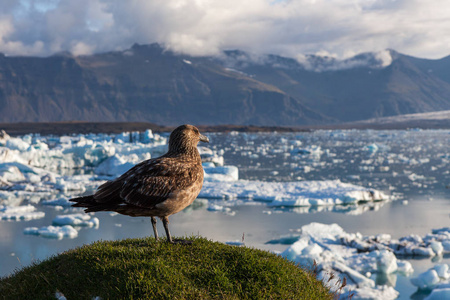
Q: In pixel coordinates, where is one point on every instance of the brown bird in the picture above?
(157, 187)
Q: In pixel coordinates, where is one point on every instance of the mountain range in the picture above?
(149, 84)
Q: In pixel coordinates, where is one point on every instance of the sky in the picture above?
(335, 28)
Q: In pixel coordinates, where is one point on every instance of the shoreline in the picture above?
(81, 127)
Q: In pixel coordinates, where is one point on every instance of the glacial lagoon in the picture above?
(384, 191)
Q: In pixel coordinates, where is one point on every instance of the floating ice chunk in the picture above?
(20, 213)
(446, 245)
(147, 136)
(39, 145)
(18, 209)
(426, 280)
(121, 138)
(53, 232)
(24, 169)
(295, 250)
(66, 186)
(113, 166)
(17, 144)
(437, 247)
(386, 262)
(225, 173)
(323, 231)
(414, 177)
(442, 271)
(439, 230)
(384, 168)
(311, 150)
(436, 277)
(215, 207)
(226, 210)
(76, 220)
(404, 267)
(63, 201)
(305, 169)
(10, 173)
(372, 148)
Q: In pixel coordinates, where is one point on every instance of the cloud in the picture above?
(340, 28)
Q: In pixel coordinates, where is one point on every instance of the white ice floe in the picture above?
(299, 193)
(439, 275)
(221, 173)
(76, 220)
(113, 166)
(333, 251)
(63, 201)
(20, 213)
(53, 232)
(440, 292)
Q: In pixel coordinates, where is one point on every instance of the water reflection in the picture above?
(354, 209)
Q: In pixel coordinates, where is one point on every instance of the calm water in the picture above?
(412, 166)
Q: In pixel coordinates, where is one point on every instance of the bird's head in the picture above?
(185, 137)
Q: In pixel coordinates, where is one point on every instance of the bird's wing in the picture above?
(150, 182)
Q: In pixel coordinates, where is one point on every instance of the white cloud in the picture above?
(340, 28)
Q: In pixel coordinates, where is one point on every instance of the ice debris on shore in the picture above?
(331, 250)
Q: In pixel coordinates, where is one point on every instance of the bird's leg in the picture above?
(154, 228)
(165, 221)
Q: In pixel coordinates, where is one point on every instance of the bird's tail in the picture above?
(91, 205)
(85, 201)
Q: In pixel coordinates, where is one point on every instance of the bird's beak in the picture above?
(204, 138)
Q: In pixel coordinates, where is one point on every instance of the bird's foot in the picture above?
(180, 241)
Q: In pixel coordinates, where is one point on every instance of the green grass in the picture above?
(143, 269)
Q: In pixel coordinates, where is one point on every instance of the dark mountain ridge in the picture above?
(144, 83)
(148, 84)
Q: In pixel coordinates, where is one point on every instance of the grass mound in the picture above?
(143, 268)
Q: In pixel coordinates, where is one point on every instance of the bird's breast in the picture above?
(179, 200)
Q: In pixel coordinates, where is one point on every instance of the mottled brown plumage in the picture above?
(157, 187)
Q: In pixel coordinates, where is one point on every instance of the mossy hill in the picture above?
(146, 269)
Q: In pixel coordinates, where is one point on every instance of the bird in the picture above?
(157, 187)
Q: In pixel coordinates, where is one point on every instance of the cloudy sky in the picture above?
(338, 28)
